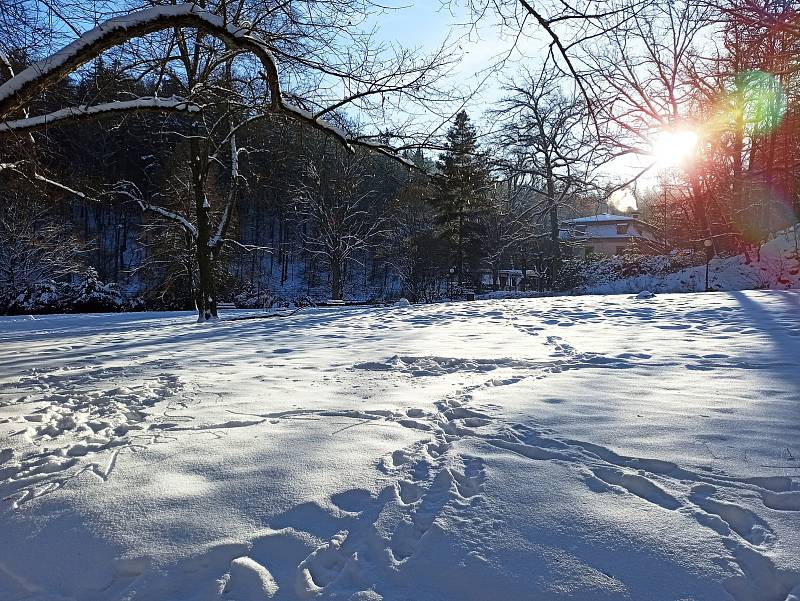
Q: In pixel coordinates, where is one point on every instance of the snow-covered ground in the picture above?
(593, 448)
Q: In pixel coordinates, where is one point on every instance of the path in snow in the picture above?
(593, 448)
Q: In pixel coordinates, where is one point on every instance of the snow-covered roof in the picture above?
(603, 217)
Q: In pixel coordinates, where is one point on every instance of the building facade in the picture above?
(608, 234)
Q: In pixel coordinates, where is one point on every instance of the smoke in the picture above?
(623, 200)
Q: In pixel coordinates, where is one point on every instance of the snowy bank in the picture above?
(775, 267)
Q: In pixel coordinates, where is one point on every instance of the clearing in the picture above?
(586, 448)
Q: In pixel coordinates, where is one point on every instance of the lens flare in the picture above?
(763, 100)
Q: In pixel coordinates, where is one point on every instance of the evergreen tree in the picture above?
(461, 196)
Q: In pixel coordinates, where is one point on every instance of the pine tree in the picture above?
(461, 196)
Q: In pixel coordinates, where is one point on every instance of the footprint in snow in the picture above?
(742, 521)
(638, 485)
(470, 482)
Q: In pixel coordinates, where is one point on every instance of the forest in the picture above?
(168, 156)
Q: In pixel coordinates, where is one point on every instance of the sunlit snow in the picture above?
(564, 448)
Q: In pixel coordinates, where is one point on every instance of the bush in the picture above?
(85, 294)
(43, 297)
(90, 295)
(251, 298)
(600, 270)
(571, 275)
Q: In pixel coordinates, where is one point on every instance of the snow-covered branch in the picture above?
(12, 166)
(217, 239)
(85, 112)
(26, 169)
(164, 212)
(248, 247)
(172, 215)
(114, 32)
(58, 185)
(6, 70)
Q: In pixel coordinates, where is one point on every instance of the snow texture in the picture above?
(603, 217)
(590, 448)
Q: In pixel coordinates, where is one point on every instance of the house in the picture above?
(508, 279)
(607, 234)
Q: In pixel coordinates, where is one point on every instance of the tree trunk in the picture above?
(699, 210)
(336, 279)
(555, 266)
(205, 299)
(205, 295)
(460, 257)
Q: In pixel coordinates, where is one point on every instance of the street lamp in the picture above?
(709, 249)
(450, 282)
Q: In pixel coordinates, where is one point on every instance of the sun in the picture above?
(672, 148)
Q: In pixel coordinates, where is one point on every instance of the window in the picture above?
(622, 229)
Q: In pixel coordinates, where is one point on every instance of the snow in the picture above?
(594, 447)
(82, 111)
(601, 218)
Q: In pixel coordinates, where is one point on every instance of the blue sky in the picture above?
(418, 23)
(425, 24)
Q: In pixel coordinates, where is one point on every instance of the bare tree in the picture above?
(641, 82)
(334, 217)
(566, 28)
(747, 84)
(547, 153)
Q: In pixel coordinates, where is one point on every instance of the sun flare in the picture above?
(672, 148)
